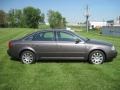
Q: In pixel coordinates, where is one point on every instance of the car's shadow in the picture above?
(54, 61)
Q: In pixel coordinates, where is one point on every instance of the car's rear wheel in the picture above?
(27, 57)
(97, 57)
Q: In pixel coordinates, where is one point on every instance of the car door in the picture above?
(47, 45)
(43, 43)
(67, 46)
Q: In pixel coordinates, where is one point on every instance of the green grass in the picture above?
(57, 75)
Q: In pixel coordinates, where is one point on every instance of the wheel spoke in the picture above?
(97, 58)
(27, 58)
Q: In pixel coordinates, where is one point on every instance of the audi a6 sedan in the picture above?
(60, 44)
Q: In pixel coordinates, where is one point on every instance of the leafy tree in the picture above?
(11, 18)
(15, 18)
(42, 18)
(64, 22)
(3, 20)
(18, 15)
(28, 17)
(56, 20)
(32, 17)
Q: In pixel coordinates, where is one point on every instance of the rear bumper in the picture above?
(8, 52)
(12, 54)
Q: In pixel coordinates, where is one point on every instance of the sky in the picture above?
(72, 10)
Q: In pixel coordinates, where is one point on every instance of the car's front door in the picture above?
(67, 45)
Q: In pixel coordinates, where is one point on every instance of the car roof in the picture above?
(47, 30)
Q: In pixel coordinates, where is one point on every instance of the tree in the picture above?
(15, 17)
(32, 17)
(3, 20)
(28, 17)
(64, 22)
(18, 15)
(42, 18)
(56, 20)
(11, 19)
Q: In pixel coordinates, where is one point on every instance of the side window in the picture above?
(37, 37)
(43, 36)
(28, 38)
(33, 37)
(48, 36)
(63, 36)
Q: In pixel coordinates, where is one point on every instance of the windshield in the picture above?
(81, 37)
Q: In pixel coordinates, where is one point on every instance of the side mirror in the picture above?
(77, 41)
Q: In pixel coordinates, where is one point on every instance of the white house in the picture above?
(117, 21)
(94, 24)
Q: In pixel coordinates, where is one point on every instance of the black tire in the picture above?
(27, 57)
(96, 57)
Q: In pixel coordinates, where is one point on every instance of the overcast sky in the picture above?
(72, 10)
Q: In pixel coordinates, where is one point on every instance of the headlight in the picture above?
(113, 48)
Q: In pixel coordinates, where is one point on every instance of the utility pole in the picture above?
(119, 19)
(87, 15)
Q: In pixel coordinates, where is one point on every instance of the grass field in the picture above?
(57, 75)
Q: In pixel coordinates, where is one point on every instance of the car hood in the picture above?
(99, 42)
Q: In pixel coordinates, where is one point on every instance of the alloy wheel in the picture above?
(97, 57)
(27, 57)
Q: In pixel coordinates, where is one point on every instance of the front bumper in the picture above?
(112, 54)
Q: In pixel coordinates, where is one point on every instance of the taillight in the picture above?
(10, 44)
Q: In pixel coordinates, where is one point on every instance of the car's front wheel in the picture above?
(27, 57)
(97, 57)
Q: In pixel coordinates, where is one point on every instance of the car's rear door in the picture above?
(46, 44)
